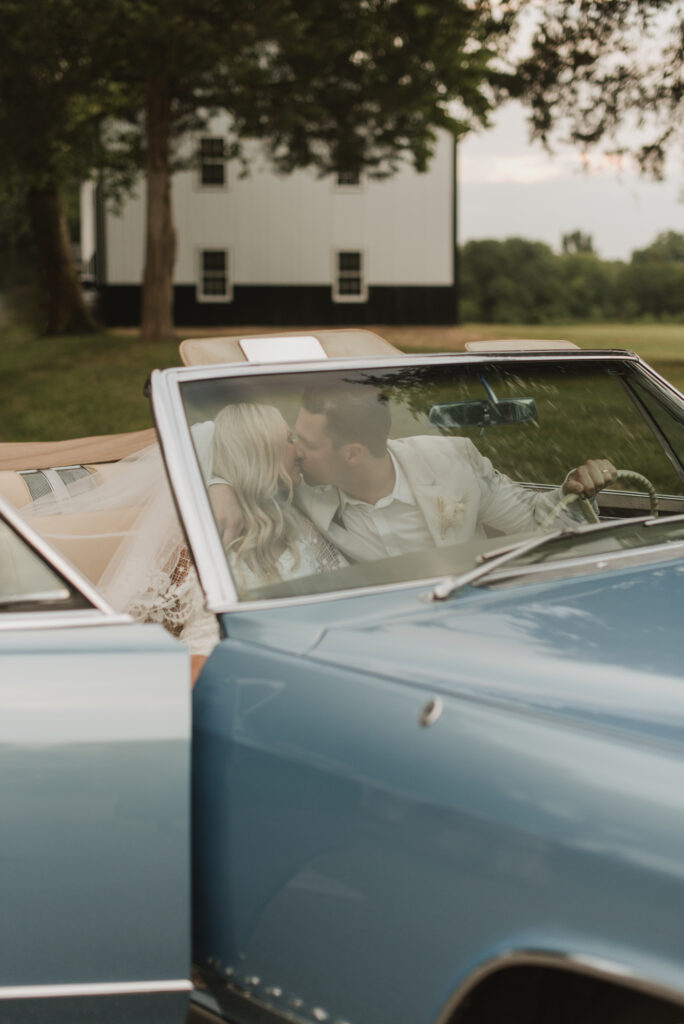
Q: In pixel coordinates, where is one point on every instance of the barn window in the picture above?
(348, 179)
(214, 276)
(350, 280)
(212, 171)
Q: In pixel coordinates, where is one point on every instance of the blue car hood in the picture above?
(602, 650)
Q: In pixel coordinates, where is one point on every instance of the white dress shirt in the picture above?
(393, 525)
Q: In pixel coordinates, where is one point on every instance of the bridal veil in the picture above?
(119, 526)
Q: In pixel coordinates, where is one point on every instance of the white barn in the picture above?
(292, 249)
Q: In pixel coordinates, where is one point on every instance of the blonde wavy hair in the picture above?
(249, 448)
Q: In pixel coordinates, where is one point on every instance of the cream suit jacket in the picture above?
(456, 488)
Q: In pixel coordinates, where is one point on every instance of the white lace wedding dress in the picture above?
(311, 553)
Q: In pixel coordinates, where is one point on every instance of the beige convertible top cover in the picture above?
(338, 343)
(78, 452)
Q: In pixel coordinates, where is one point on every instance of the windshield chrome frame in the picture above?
(674, 404)
(66, 618)
(189, 488)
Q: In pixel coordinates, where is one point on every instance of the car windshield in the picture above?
(340, 478)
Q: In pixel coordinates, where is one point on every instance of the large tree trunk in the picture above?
(67, 312)
(160, 245)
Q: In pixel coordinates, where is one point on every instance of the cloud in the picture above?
(520, 170)
(601, 195)
(532, 168)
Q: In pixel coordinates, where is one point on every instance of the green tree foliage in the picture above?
(653, 290)
(608, 73)
(667, 248)
(172, 62)
(16, 249)
(592, 287)
(355, 84)
(519, 281)
(363, 83)
(359, 84)
(577, 241)
(510, 281)
(53, 95)
(653, 282)
(351, 85)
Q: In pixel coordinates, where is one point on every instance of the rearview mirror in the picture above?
(483, 413)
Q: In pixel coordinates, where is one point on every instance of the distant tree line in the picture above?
(522, 281)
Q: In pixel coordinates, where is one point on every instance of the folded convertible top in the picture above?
(77, 452)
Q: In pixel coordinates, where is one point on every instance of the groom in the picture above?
(374, 497)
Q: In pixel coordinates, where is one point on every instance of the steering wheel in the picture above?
(588, 509)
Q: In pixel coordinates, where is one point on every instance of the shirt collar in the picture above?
(400, 492)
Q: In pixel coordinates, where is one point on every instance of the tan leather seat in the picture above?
(13, 488)
(87, 541)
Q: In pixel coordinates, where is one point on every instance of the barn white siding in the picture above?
(283, 231)
(125, 240)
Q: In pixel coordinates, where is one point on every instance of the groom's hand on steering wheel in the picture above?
(590, 477)
(227, 513)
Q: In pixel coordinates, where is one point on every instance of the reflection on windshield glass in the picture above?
(623, 536)
(338, 479)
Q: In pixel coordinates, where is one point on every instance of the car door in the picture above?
(94, 800)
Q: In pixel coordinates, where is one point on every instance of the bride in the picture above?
(119, 527)
(253, 450)
(124, 534)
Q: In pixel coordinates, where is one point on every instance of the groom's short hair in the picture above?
(353, 412)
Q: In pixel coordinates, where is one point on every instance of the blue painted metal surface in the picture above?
(348, 858)
(94, 805)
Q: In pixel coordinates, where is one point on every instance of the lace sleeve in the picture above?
(174, 598)
(201, 632)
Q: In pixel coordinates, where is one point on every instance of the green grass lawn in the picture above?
(75, 386)
(58, 388)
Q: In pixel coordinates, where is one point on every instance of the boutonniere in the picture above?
(451, 512)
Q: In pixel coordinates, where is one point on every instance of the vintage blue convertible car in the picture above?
(438, 784)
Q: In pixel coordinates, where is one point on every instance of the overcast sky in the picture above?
(509, 187)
